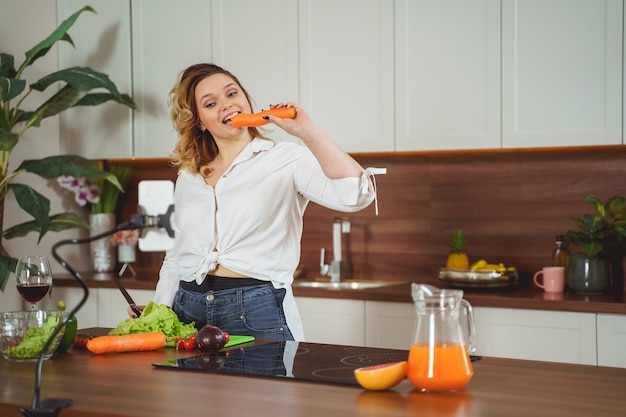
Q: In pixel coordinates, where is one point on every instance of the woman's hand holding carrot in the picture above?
(296, 122)
(334, 161)
(302, 126)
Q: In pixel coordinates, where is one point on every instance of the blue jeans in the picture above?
(249, 311)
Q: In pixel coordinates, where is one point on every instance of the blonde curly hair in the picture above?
(195, 148)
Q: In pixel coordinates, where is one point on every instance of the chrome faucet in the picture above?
(340, 264)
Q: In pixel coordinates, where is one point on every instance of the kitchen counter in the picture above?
(127, 385)
(525, 297)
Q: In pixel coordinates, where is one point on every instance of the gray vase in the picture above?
(589, 275)
(102, 251)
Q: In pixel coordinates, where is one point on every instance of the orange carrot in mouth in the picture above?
(127, 343)
(256, 119)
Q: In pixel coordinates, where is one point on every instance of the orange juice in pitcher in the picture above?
(449, 370)
(439, 355)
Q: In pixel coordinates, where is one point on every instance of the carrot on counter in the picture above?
(256, 119)
(127, 343)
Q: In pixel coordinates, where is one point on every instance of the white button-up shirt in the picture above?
(251, 221)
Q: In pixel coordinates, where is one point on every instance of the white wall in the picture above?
(23, 24)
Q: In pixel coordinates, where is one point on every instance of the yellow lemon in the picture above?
(381, 377)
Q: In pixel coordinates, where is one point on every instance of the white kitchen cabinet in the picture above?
(533, 74)
(258, 43)
(248, 38)
(103, 42)
(142, 46)
(555, 336)
(168, 36)
(87, 316)
(389, 325)
(105, 307)
(611, 340)
(113, 308)
(500, 332)
(447, 69)
(561, 72)
(400, 75)
(510, 333)
(346, 70)
(332, 320)
(310, 52)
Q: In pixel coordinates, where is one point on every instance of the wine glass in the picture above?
(34, 278)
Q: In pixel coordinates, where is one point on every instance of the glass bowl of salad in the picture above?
(23, 334)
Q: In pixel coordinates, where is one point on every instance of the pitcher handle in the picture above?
(471, 329)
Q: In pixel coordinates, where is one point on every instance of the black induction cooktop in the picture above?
(303, 361)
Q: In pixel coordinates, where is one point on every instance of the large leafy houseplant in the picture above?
(603, 230)
(78, 86)
(602, 238)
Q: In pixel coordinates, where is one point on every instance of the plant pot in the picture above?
(126, 254)
(616, 254)
(102, 251)
(589, 275)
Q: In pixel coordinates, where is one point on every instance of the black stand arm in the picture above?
(52, 406)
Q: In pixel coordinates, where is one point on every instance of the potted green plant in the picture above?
(602, 237)
(78, 86)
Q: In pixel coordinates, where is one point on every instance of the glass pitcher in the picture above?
(443, 339)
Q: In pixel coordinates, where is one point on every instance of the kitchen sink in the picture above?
(348, 284)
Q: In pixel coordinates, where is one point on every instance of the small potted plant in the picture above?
(601, 237)
(125, 240)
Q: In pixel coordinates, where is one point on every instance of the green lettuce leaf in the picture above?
(34, 340)
(155, 318)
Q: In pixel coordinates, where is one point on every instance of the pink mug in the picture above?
(553, 279)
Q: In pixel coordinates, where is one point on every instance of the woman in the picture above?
(239, 201)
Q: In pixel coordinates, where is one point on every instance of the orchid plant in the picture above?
(83, 191)
(101, 196)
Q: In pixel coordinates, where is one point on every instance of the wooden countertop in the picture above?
(525, 297)
(127, 385)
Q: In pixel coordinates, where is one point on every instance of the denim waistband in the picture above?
(215, 283)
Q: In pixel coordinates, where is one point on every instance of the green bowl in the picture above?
(23, 334)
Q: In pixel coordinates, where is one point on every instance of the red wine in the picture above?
(33, 292)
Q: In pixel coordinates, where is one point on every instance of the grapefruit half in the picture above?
(381, 377)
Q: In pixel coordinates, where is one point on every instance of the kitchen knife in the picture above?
(129, 299)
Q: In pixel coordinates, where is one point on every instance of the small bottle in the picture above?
(560, 255)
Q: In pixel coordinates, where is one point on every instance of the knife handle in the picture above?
(135, 310)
